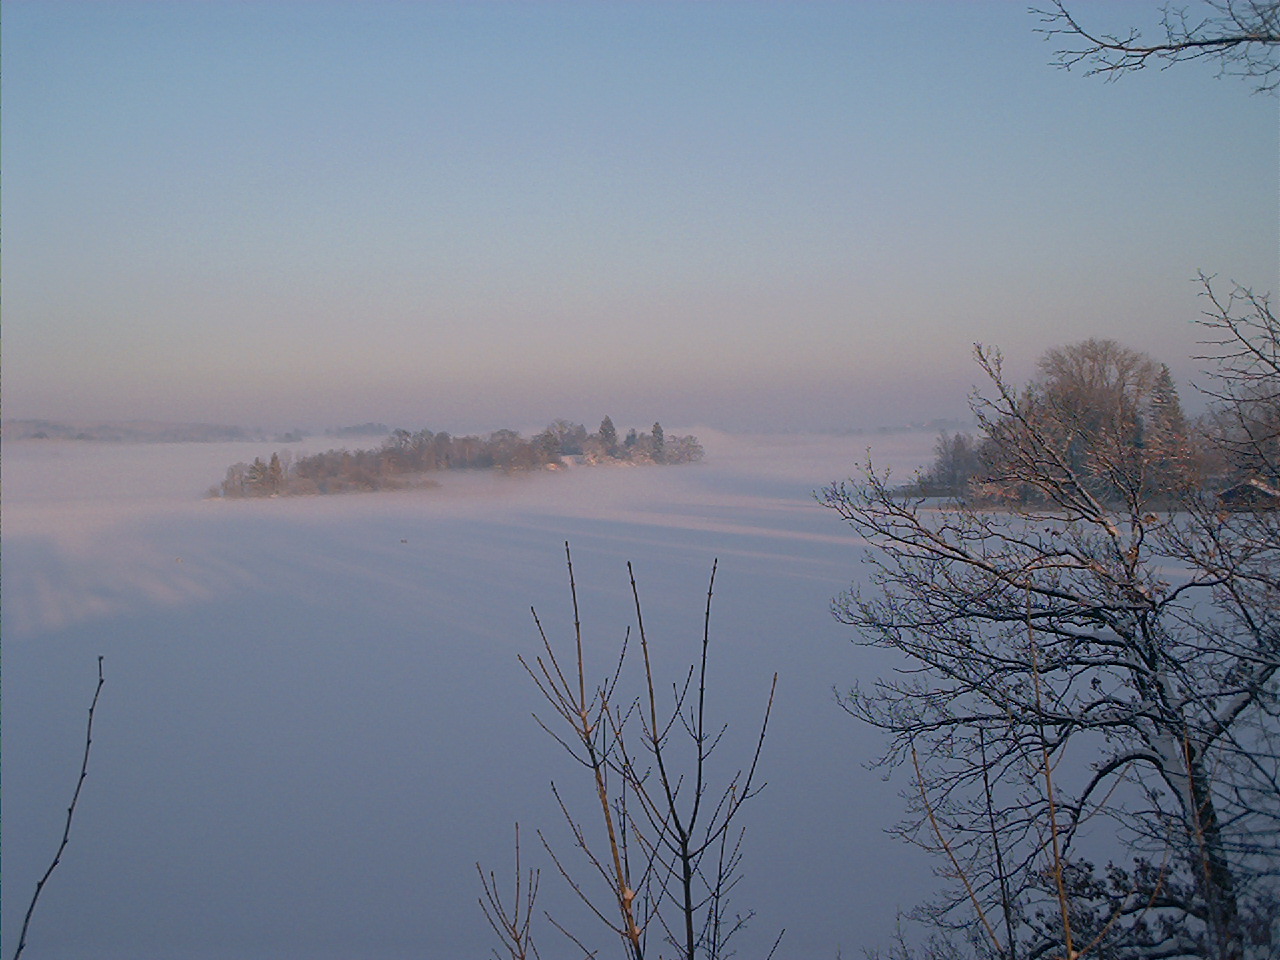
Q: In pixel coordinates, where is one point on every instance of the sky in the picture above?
(462, 216)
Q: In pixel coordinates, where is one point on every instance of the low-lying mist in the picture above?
(314, 723)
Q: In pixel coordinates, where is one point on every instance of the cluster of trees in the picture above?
(1118, 425)
(1089, 702)
(1090, 705)
(408, 459)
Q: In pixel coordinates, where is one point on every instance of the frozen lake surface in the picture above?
(314, 723)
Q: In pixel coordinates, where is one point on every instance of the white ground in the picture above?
(314, 723)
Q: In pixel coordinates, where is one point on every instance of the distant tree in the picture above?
(571, 436)
(1167, 434)
(1166, 409)
(957, 463)
(608, 437)
(257, 478)
(470, 452)
(233, 485)
(275, 475)
(1119, 426)
(442, 450)
(630, 440)
(507, 450)
(659, 444)
(645, 451)
(685, 449)
(421, 452)
(546, 446)
(1096, 384)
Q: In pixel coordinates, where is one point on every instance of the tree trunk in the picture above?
(1213, 873)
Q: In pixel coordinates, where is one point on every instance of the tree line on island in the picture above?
(408, 459)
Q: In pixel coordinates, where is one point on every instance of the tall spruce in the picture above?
(608, 436)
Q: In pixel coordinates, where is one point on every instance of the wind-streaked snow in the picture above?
(314, 723)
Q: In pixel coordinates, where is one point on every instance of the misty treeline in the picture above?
(1116, 416)
(408, 459)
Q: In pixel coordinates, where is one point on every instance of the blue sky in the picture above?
(468, 215)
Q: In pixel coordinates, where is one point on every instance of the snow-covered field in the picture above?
(314, 723)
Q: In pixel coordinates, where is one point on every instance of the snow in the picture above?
(314, 723)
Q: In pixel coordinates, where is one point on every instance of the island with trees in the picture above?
(406, 460)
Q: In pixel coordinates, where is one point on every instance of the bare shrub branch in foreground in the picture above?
(665, 853)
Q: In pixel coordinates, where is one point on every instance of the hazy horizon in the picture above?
(283, 432)
(752, 216)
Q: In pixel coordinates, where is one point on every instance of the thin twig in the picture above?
(512, 928)
(960, 871)
(1059, 880)
(71, 812)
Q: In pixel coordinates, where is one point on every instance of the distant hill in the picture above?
(133, 431)
(360, 430)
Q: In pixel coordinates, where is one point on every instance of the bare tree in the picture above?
(1243, 343)
(1242, 35)
(1122, 634)
(668, 848)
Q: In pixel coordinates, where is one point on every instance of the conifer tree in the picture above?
(608, 436)
(275, 474)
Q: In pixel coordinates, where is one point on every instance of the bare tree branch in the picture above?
(71, 812)
(1242, 35)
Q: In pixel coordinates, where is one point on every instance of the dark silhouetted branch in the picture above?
(71, 812)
